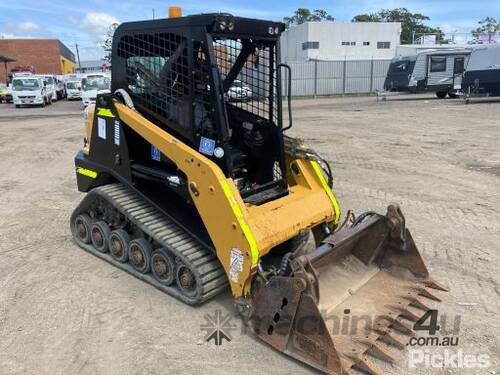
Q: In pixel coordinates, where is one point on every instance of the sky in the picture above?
(86, 21)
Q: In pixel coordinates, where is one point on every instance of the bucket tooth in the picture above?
(347, 365)
(436, 285)
(410, 315)
(380, 352)
(417, 302)
(390, 338)
(427, 293)
(400, 325)
(367, 366)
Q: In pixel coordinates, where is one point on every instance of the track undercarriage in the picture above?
(117, 225)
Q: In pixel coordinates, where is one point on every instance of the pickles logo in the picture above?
(218, 327)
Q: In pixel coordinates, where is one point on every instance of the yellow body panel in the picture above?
(306, 206)
(89, 120)
(236, 228)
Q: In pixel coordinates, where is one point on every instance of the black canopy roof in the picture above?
(220, 23)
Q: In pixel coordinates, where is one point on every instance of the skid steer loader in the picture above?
(193, 187)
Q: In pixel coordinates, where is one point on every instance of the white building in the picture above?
(92, 66)
(340, 40)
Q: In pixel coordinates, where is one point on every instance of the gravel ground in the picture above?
(63, 311)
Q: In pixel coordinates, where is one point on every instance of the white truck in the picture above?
(73, 89)
(30, 90)
(93, 84)
(51, 85)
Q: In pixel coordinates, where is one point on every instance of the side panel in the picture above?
(108, 143)
(420, 70)
(423, 79)
(447, 77)
(89, 175)
(398, 79)
(441, 77)
(488, 81)
(105, 149)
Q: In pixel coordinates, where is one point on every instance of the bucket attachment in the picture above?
(355, 296)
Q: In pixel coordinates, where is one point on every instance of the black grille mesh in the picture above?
(157, 74)
(163, 79)
(254, 89)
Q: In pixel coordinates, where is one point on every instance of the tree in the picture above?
(108, 42)
(303, 15)
(488, 26)
(412, 24)
(374, 17)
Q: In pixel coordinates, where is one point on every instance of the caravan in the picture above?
(482, 76)
(438, 71)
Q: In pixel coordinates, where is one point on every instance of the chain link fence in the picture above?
(315, 78)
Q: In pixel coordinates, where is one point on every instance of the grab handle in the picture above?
(289, 96)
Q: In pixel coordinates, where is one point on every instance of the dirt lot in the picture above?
(63, 311)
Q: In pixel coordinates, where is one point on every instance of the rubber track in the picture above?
(211, 277)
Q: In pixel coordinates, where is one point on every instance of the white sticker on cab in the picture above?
(101, 128)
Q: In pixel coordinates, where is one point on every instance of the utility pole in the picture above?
(153, 13)
(78, 57)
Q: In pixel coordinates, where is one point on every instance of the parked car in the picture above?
(73, 90)
(5, 93)
(93, 84)
(30, 90)
(239, 91)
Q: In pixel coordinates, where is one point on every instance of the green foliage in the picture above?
(303, 15)
(487, 26)
(411, 23)
(373, 17)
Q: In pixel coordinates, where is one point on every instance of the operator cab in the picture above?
(214, 82)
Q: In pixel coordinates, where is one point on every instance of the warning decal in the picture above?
(236, 267)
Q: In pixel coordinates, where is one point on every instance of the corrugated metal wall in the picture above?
(312, 78)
